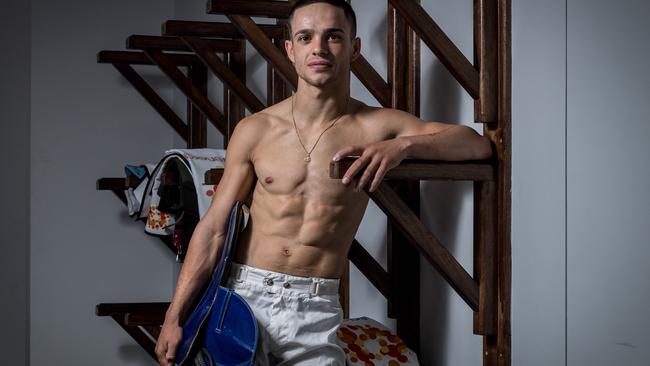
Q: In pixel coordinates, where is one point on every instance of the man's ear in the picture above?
(356, 49)
(288, 46)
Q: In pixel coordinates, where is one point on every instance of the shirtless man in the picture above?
(302, 222)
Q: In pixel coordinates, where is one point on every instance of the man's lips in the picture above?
(319, 64)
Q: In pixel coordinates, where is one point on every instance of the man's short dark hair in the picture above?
(347, 10)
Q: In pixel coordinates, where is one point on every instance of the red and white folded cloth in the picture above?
(367, 342)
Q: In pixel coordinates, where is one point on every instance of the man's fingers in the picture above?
(379, 176)
(354, 169)
(161, 350)
(367, 174)
(347, 151)
(170, 355)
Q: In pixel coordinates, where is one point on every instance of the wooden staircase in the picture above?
(195, 45)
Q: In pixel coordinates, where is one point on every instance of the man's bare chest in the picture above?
(285, 166)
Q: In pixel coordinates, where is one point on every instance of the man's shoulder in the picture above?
(263, 119)
(378, 117)
(251, 129)
(384, 123)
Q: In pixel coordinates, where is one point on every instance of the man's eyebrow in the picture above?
(333, 30)
(311, 31)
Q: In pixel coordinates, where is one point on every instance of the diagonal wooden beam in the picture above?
(427, 244)
(271, 9)
(450, 56)
(265, 47)
(154, 99)
(370, 268)
(119, 312)
(371, 79)
(215, 29)
(223, 72)
(138, 334)
(185, 85)
(138, 42)
(139, 58)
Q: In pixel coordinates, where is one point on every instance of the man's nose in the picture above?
(320, 46)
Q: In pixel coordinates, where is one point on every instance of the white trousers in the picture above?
(297, 316)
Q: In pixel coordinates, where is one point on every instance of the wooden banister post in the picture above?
(196, 121)
(236, 62)
(404, 259)
(493, 109)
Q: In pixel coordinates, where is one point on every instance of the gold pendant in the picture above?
(307, 158)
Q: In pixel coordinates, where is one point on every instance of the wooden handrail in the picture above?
(215, 29)
(450, 56)
(427, 170)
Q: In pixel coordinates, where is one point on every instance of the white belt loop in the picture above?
(242, 273)
(315, 286)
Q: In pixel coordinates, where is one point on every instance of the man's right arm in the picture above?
(208, 237)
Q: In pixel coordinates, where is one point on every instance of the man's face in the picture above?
(320, 47)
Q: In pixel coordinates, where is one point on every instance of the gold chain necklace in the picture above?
(308, 152)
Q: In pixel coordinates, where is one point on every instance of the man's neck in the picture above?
(313, 106)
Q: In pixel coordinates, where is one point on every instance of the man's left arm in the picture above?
(413, 139)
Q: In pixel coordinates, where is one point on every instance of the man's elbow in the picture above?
(483, 149)
(476, 147)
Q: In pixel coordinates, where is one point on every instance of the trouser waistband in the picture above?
(277, 280)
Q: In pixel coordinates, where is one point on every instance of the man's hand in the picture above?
(376, 158)
(170, 337)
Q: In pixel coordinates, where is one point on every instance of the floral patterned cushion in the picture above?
(369, 343)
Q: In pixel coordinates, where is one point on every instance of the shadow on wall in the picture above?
(440, 212)
(132, 354)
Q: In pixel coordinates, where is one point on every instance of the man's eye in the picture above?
(334, 37)
(303, 38)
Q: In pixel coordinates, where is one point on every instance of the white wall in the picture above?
(607, 183)
(87, 122)
(538, 182)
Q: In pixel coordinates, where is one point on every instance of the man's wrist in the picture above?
(172, 317)
(405, 146)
